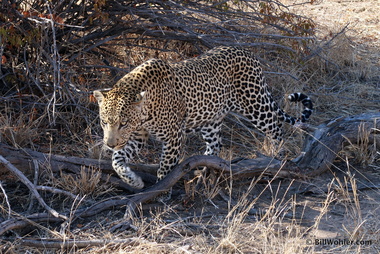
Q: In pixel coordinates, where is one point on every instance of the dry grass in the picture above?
(277, 228)
(87, 183)
(364, 151)
(246, 216)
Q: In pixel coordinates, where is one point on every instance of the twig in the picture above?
(6, 200)
(57, 191)
(69, 243)
(21, 222)
(35, 182)
(31, 187)
(176, 174)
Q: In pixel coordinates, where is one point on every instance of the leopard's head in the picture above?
(120, 115)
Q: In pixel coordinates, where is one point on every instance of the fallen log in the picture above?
(25, 159)
(320, 149)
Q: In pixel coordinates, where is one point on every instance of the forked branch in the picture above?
(31, 187)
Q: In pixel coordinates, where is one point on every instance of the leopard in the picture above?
(166, 101)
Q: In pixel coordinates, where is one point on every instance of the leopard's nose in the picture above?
(111, 143)
(115, 145)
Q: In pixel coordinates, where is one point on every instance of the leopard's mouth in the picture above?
(119, 147)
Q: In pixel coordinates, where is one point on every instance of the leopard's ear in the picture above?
(139, 102)
(99, 96)
(139, 97)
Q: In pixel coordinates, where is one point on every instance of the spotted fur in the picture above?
(168, 100)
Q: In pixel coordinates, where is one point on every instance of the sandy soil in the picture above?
(361, 17)
(362, 21)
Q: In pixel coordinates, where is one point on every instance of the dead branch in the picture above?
(322, 147)
(31, 187)
(6, 200)
(69, 243)
(25, 159)
(180, 170)
(22, 222)
(18, 222)
(57, 191)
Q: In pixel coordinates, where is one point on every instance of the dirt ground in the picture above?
(361, 19)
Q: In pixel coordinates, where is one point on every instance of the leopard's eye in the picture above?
(103, 122)
(123, 123)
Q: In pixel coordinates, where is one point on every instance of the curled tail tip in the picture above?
(306, 101)
(291, 97)
(298, 97)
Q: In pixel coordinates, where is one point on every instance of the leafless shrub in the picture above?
(54, 53)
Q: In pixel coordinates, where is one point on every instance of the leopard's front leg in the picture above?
(171, 150)
(122, 157)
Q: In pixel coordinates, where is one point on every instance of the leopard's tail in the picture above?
(308, 108)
